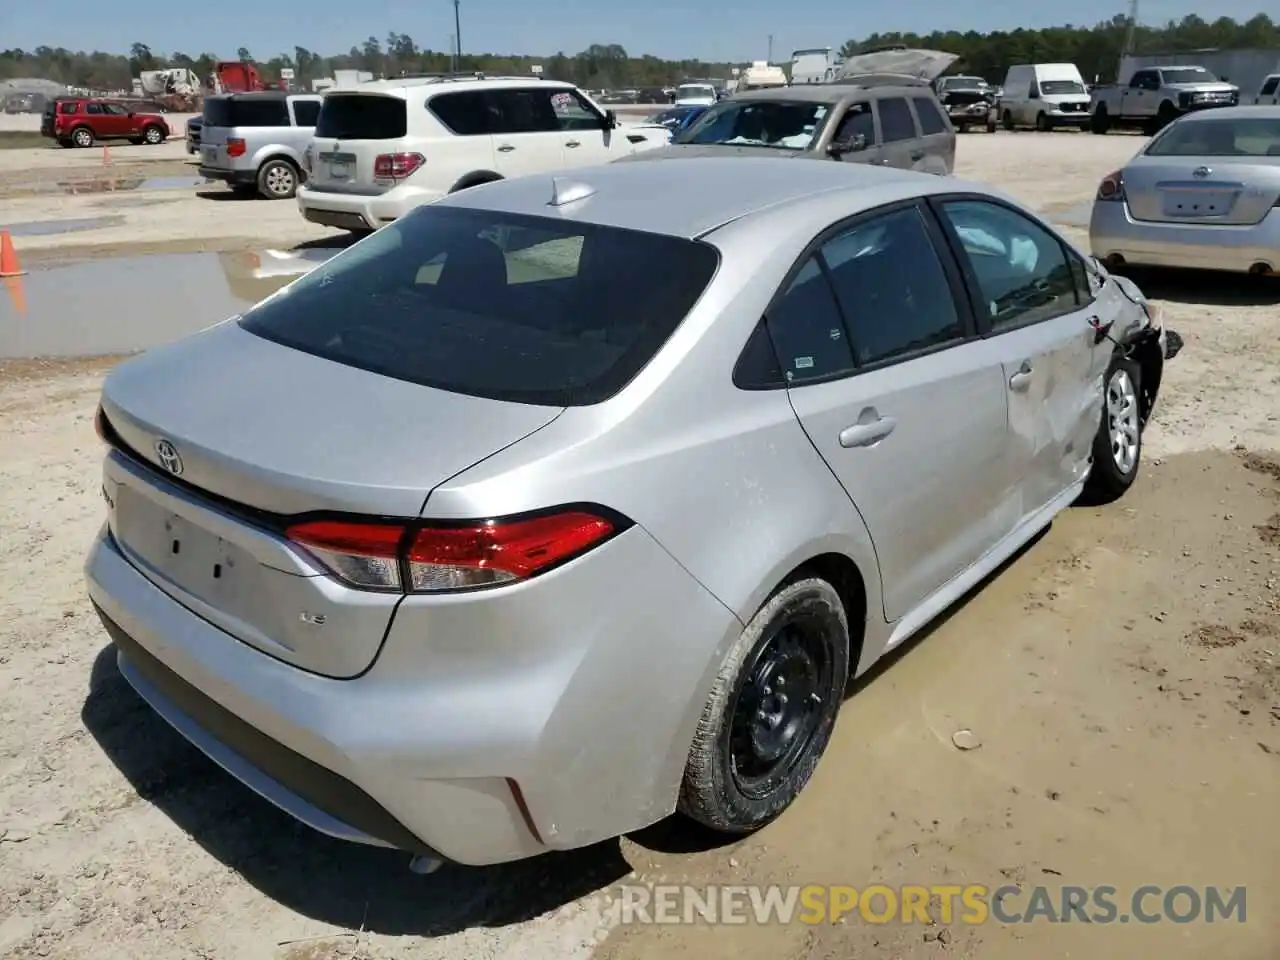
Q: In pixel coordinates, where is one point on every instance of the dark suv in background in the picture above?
(82, 121)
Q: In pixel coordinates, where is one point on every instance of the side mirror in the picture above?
(1033, 93)
(610, 119)
(854, 144)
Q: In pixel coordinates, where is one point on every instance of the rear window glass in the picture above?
(305, 112)
(355, 116)
(466, 114)
(71, 106)
(493, 304)
(248, 112)
(1221, 137)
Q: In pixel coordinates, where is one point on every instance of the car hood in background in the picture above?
(922, 64)
(683, 151)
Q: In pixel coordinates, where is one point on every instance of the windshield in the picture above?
(539, 310)
(964, 83)
(666, 117)
(1188, 75)
(779, 124)
(1233, 137)
(692, 91)
(1059, 87)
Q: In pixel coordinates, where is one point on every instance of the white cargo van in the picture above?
(1044, 96)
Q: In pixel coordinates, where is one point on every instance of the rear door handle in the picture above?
(506, 148)
(573, 143)
(1022, 379)
(867, 434)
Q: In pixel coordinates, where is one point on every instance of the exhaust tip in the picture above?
(423, 865)
(1260, 269)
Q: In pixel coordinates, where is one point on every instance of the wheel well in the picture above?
(283, 158)
(475, 179)
(843, 574)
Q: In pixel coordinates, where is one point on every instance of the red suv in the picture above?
(80, 121)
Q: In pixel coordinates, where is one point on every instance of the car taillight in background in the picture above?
(1111, 187)
(235, 147)
(393, 167)
(421, 557)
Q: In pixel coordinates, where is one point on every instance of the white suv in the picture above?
(387, 146)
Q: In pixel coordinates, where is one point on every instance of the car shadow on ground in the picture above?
(224, 194)
(1205, 287)
(339, 241)
(341, 883)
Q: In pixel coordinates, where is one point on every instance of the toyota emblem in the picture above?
(1202, 171)
(167, 454)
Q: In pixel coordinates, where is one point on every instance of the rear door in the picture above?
(526, 130)
(904, 403)
(899, 138)
(937, 136)
(1034, 304)
(353, 129)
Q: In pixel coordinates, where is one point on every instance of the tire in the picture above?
(278, 180)
(799, 642)
(991, 126)
(152, 135)
(65, 143)
(1100, 122)
(82, 137)
(1007, 120)
(962, 128)
(1115, 462)
(1165, 116)
(1042, 123)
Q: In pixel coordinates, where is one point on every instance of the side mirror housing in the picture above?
(854, 144)
(610, 119)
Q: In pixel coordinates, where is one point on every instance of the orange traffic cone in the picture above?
(106, 155)
(16, 293)
(8, 257)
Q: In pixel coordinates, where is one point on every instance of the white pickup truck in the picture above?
(1156, 96)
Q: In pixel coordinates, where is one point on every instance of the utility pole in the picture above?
(457, 34)
(1128, 36)
(771, 48)
(453, 53)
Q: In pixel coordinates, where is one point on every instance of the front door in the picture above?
(1033, 299)
(583, 133)
(119, 122)
(858, 125)
(526, 132)
(904, 403)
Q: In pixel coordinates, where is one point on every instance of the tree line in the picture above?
(1096, 50)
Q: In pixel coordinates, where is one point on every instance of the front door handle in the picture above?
(867, 434)
(573, 143)
(1021, 380)
(506, 148)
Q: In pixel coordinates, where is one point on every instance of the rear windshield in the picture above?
(361, 116)
(492, 304)
(251, 112)
(1223, 137)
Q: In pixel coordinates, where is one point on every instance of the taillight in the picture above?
(1111, 187)
(434, 558)
(235, 147)
(396, 166)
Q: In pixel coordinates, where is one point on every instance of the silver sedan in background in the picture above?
(1204, 193)
(477, 543)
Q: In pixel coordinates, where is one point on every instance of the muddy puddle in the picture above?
(46, 228)
(126, 304)
(106, 182)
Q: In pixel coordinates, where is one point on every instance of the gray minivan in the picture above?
(255, 141)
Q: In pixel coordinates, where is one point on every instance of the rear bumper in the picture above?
(584, 698)
(1114, 233)
(352, 211)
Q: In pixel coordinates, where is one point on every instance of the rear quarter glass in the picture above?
(493, 304)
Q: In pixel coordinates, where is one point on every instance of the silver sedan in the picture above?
(477, 543)
(1204, 193)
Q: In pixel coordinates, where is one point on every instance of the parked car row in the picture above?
(84, 121)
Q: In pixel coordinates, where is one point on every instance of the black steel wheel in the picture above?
(771, 710)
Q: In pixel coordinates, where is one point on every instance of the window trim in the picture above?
(813, 249)
(975, 298)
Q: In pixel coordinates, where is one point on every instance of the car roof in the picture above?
(829, 92)
(690, 197)
(400, 86)
(1261, 111)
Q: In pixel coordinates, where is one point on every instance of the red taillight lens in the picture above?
(435, 559)
(396, 166)
(1111, 187)
(235, 147)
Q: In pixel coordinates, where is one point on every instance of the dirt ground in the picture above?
(1122, 677)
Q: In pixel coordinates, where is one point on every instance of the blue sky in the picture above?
(731, 30)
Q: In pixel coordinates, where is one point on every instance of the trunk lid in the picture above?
(905, 62)
(352, 130)
(261, 431)
(1218, 190)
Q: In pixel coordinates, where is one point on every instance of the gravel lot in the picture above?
(1122, 675)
